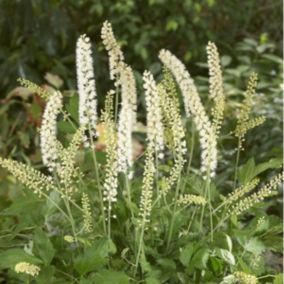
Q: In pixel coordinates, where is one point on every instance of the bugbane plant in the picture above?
(82, 221)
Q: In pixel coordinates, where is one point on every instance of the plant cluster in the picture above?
(101, 213)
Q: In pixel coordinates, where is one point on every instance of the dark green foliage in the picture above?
(39, 36)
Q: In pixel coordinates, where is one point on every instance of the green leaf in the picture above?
(167, 264)
(255, 246)
(186, 254)
(246, 171)
(249, 171)
(9, 258)
(226, 255)
(111, 277)
(46, 273)
(271, 164)
(93, 258)
(43, 246)
(200, 258)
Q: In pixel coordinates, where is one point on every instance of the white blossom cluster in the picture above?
(116, 57)
(87, 213)
(111, 181)
(155, 129)
(48, 140)
(193, 105)
(216, 91)
(125, 126)
(86, 87)
(124, 79)
(28, 268)
(145, 205)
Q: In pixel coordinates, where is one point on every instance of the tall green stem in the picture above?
(128, 191)
(237, 163)
(173, 214)
(139, 249)
(98, 181)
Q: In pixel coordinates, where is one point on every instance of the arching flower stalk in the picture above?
(67, 171)
(87, 213)
(116, 57)
(267, 190)
(244, 120)
(125, 81)
(145, 206)
(216, 91)
(155, 129)
(48, 141)
(28, 176)
(86, 87)
(173, 122)
(194, 107)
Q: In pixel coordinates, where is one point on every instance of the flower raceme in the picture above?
(194, 107)
(125, 81)
(155, 129)
(86, 87)
(216, 91)
(48, 140)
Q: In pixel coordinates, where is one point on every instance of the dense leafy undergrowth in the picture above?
(180, 200)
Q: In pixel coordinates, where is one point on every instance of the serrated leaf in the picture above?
(9, 258)
(246, 171)
(186, 254)
(255, 246)
(43, 246)
(200, 258)
(93, 258)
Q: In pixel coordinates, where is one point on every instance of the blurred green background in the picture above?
(39, 36)
(38, 39)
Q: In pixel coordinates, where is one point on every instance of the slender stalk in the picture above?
(128, 190)
(237, 163)
(66, 202)
(139, 249)
(191, 220)
(109, 221)
(116, 104)
(94, 157)
(173, 214)
(157, 178)
(207, 194)
(56, 205)
(70, 216)
(192, 145)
